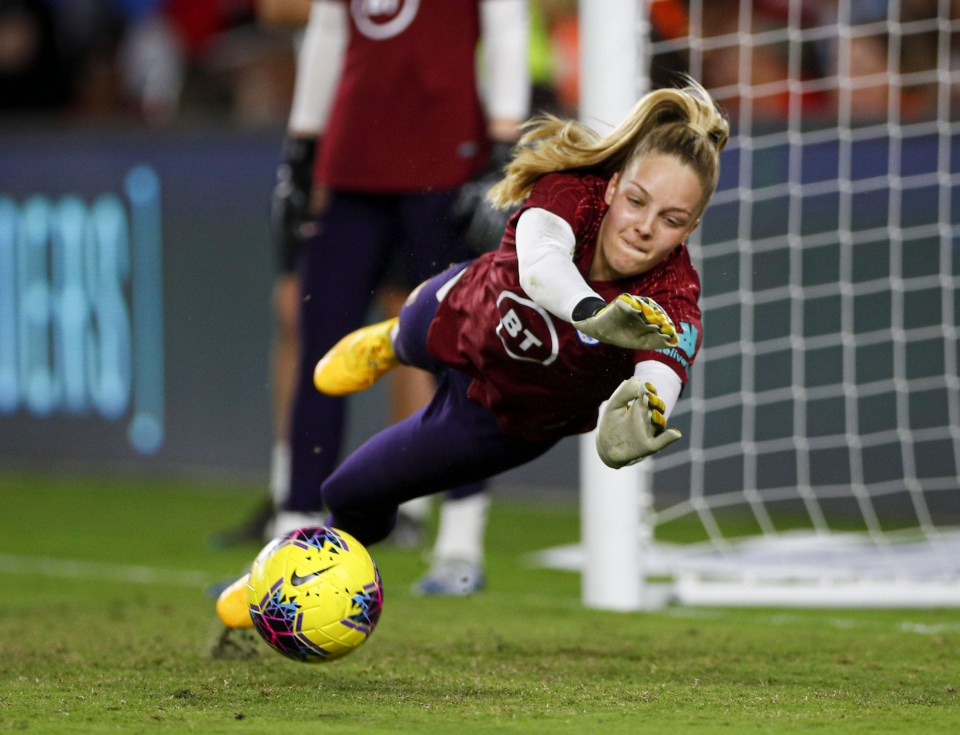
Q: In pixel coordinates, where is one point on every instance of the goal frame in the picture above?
(617, 556)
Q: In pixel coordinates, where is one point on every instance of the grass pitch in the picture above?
(105, 628)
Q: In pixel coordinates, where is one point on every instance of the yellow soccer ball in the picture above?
(315, 594)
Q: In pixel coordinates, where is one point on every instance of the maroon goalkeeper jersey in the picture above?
(542, 377)
(406, 114)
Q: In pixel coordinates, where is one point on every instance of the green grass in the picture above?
(105, 628)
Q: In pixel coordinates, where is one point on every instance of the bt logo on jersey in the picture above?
(381, 19)
(526, 330)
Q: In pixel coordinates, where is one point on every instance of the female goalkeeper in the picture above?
(591, 297)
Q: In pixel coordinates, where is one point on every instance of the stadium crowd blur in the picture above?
(847, 74)
(163, 62)
(151, 62)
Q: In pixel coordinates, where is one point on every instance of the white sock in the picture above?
(461, 529)
(417, 509)
(280, 460)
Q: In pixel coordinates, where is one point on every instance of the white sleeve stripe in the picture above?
(318, 67)
(664, 379)
(545, 246)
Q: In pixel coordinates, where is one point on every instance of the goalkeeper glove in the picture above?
(633, 322)
(633, 425)
(290, 204)
(480, 225)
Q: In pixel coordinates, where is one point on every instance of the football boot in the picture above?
(357, 361)
(232, 606)
(451, 578)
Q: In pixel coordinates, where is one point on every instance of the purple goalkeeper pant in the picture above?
(361, 238)
(451, 442)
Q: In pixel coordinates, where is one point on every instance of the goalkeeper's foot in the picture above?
(357, 361)
(232, 607)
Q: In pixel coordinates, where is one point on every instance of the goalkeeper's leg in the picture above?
(452, 442)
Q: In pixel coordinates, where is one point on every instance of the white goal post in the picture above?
(821, 450)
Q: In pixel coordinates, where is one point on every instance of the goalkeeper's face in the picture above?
(652, 209)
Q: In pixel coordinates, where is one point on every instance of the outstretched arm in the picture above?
(633, 424)
(545, 245)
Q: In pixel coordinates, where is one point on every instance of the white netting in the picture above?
(826, 397)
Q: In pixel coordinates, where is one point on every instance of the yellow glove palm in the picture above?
(633, 425)
(633, 322)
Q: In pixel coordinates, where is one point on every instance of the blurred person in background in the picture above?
(867, 61)
(389, 152)
(766, 87)
(160, 62)
(149, 62)
(203, 56)
(35, 75)
(884, 40)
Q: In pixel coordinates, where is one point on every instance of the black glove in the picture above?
(290, 203)
(480, 225)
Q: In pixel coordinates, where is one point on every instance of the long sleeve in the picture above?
(319, 65)
(545, 245)
(504, 65)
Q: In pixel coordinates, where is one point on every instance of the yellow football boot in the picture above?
(232, 606)
(357, 361)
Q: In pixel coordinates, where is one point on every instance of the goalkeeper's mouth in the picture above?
(634, 249)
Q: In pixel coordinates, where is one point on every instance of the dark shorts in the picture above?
(416, 316)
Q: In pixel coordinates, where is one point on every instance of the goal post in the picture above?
(821, 424)
(612, 76)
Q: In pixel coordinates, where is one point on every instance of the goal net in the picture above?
(821, 423)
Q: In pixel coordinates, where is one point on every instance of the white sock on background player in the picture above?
(461, 528)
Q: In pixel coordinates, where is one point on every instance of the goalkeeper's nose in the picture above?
(644, 225)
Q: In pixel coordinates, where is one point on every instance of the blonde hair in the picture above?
(685, 123)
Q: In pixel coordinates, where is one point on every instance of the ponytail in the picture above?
(684, 122)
